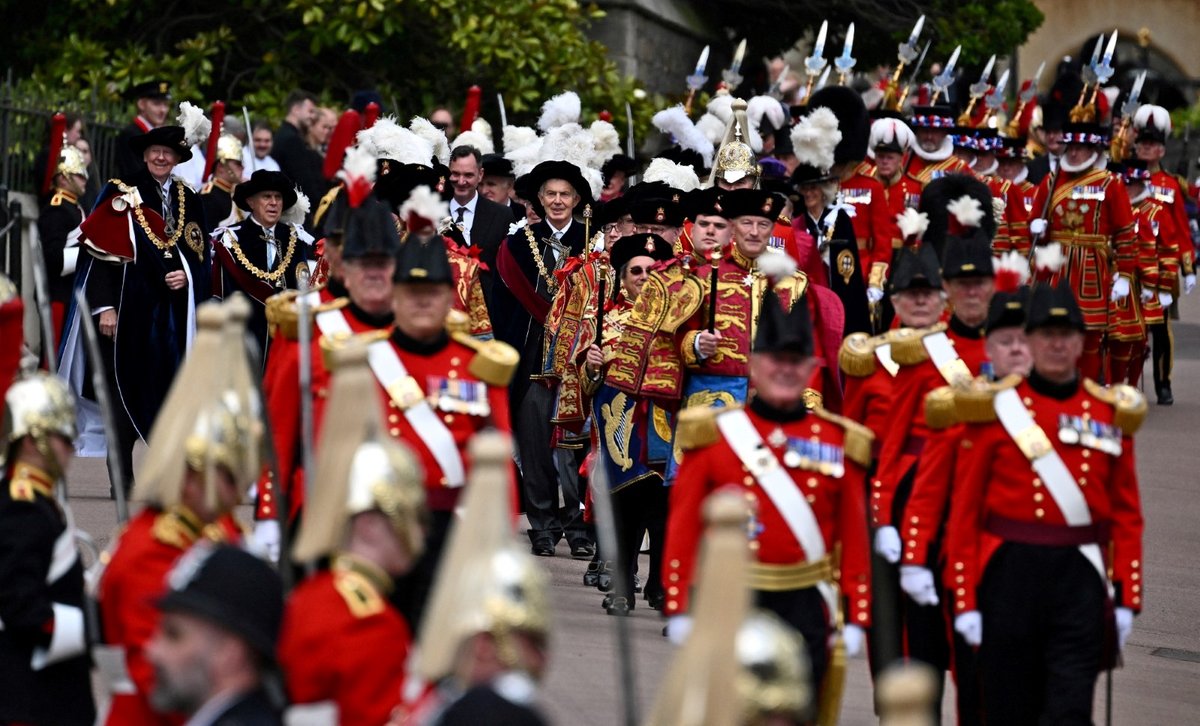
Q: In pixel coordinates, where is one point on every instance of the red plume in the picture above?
(605, 115)
(343, 138)
(470, 109)
(372, 115)
(210, 152)
(58, 127)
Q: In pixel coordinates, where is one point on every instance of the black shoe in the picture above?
(637, 584)
(591, 576)
(620, 607)
(655, 600)
(1164, 396)
(604, 583)
(543, 548)
(581, 549)
(607, 602)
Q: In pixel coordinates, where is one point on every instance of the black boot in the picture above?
(591, 576)
(1164, 395)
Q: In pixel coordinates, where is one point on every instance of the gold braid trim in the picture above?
(280, 268)
(551, 283)
(141, 217)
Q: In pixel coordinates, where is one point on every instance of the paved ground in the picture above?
(1158, 684)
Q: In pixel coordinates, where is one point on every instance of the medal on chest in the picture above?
(454, 395)
(1089, 433)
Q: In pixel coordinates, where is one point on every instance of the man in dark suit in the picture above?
(215, 645)
(525, 286)
(153, 104)
(1054, 115)
(483, 223)
(300, 162)
(497, 184)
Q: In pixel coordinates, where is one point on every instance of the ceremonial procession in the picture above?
(663, 363)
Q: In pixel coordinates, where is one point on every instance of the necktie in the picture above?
(458, 219)
(272, 247)
(168, 217)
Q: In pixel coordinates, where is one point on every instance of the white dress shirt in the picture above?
(468, 217)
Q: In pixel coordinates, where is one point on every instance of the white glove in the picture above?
(264, 541)
(853, 638)
(679, 627)
(1147, 294)
(1165, 299)
(1037, 227)
(1189, 284)
(1120, 289)
(874, 294)
(970, 626)
(918, 583)
(1124, 626)
(887, 544)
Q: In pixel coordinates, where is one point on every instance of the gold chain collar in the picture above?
(551, 283)
(140, 215)
(280, 269)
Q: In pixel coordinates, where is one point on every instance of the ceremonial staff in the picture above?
(304, 339)
(42, 289)
(906, 52)
(1119, 148)
(1082, 112)
(845, 62)
(912, 78)
(250, 135)
(1028, 90)
(945, 79)
(714, 259)
(697, 80)
(116, 472)
(978, 90)
(815, 63)
(214, 137)
(995, 99)
(732, 76)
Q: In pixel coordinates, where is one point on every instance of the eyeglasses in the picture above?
(441, 126)
(609, 228)
(635, 271)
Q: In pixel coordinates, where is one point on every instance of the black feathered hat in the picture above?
(1054, 306)
(937, 197)
(969, 256)
(368, 230)
(424, 262)
(639, 245)
(783, 332)
(853, 120)
(915, 267)
(172, 137)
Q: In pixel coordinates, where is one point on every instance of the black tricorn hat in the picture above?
(913, 268)
(368, 230)
(233, 589)
(783, 332)
(394, 182)
(610, 212)
(564, 170)
(497, 165)
(172, 137)
(706, 202)
(752, 203)
(1007, 310)
(423, 261)
(158, 90)
(939, 193)
(264, 180)
(968, 257)
(639, 245)
(853, 120)
(1054, 306)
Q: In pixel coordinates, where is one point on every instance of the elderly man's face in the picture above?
(559, 200)
(751, 235)
(161, 161)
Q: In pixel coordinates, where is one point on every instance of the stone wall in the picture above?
(657, 41)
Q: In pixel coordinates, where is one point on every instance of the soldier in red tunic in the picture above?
(1010, 160)
(1044, 507)
(1008, 200)
(342, 641)
(890, 140)
(933, 155)
(802, 471)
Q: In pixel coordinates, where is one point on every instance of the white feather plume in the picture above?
(675, 121)
(912, 223)
(594, 179)
(516, 137)
(476, 139)
(1048, 258)
(568, 142)
(606, 142)
(816, 137)
(389, 140)
(757, 109)
(967, 210)
(561, 109)
(196, 126)
(676, 176)
(1014, 263)
(424, 128)
(359, 164)
(777, 265)
(296, 213)
(887, 131)
(1148, 113)
(426, 204)
(481, 126)
(721, 106)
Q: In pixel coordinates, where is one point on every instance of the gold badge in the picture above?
(660, 215)
(845, 265)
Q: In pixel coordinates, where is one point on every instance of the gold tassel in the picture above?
(834, 684)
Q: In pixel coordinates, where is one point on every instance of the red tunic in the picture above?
(1166, 189)
(926, 171)
(1012, 233)
(1128, 317)
(925, 510)
(837, 503)
(342, 641)
(993, 477)
(867, 399)
(873, 222)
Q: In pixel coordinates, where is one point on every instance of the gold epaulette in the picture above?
(176, 528)
(857, 439)
(330, 344)
(940, 411)
(362, 599)
(8, 290)
(28, 482)
(857, 355)
(908, 346)
(973, 402)
(495, 362)
(697, 427)
(323, 205)
(283, 317)
(61, 197)
(1129, 405)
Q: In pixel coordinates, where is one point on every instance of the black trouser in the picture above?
(1044, 635)
(574, 487)
(412, 590)
(638, 508)
(539, 474)
(1162, 343)
(126, 433)
(805, 611)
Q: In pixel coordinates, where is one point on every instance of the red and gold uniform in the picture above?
(1090, 216)
(1012, 228)
(869, 374)
(571, 330)
(903, 192)
(925, 511)
(342, 641)
(1129, 317)
(468, 287)
(1167, 191)
(926, 171)
(874, 224)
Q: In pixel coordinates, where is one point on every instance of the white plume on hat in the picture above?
(887, 131)
(565, 108)
(816, 137)
(476, 139)
(573, 143)
(966, 210)
(676, 176)
(717, 116)
(424, 128)
(758, 109)
(675, 121)
(296, 213)
(1049, 257)
(606, 142)
(1149, 114)
(912, 223)
(516, 137)
(196, 127)
(777, 265)
(389, 140)
(1013, 263)
(426, 204)
(481, 126)
(359, 164)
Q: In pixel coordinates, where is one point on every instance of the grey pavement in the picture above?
(1159, 684)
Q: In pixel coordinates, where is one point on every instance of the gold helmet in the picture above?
(70, 162)
(696, 687)
(360, 469)
(229, 149)
(773, 679)
(735, 160)
(486, 582)
(37, 405)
